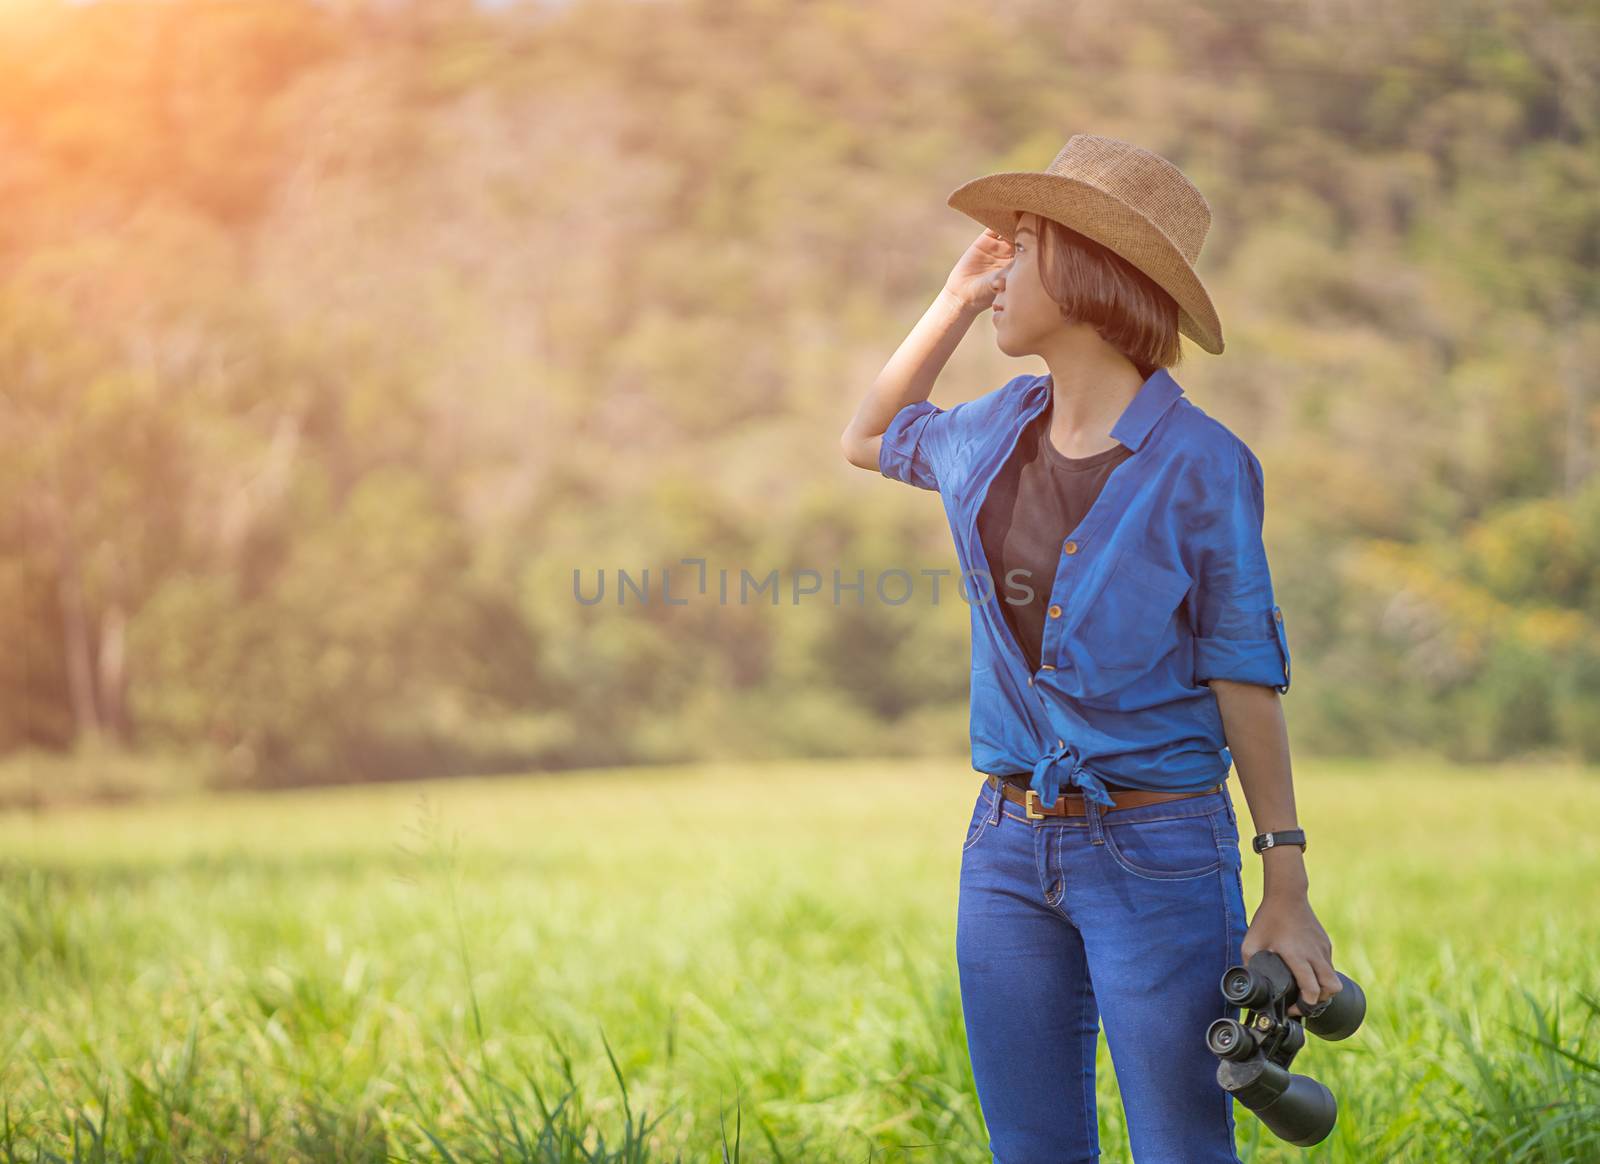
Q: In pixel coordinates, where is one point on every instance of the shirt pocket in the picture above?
(1131, 624)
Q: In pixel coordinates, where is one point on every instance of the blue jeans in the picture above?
(1129, 914)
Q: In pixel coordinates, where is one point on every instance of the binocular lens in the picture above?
(1228, 1039)
(1236, 983)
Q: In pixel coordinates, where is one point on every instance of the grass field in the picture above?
(634, 966)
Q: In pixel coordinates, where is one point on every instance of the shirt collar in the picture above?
(1157, 394)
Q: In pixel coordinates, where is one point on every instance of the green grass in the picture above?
(635, 967)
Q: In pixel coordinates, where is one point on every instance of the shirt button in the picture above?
(1061, 743)
(1030, 680)
(1047, 666)
(1278, 614)
(1054, 611)
(1071, 547)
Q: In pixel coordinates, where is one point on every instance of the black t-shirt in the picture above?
(1036, 499)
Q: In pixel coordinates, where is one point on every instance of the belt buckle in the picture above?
(1029, 799)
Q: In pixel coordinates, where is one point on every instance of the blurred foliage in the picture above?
(335, 338)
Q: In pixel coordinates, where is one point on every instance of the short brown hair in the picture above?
(1097, 286)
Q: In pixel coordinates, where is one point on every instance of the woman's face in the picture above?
(1023, 311)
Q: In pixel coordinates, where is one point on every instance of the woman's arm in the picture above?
(910, 373)
(908, 376)
(1252, 719)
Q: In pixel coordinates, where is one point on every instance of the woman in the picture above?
(1126, 653)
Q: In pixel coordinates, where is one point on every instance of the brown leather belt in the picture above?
(1072, 803)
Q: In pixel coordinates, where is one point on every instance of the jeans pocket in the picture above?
(1167, 848)
(981, 812)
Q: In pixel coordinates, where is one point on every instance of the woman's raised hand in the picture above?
(972, 280)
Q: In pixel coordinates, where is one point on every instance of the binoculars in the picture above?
(1255, 1053)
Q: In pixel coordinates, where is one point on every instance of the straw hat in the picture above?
(1129, 200)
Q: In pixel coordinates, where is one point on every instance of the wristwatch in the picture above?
(1265, 841)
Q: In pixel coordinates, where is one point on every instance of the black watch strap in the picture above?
(1265, 841)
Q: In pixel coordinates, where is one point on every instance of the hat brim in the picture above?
(996, 200)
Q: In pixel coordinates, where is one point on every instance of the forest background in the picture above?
(336, 339)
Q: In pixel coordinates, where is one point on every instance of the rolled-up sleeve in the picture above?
(916, 445)
(1239, 632)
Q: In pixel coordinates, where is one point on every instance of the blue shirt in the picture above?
(1162, 587)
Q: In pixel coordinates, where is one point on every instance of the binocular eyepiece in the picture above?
(1255, 1052)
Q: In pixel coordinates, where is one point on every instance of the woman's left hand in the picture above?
(1287, 926)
